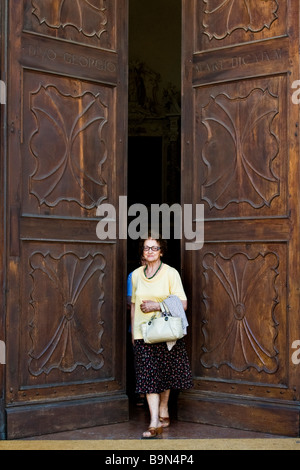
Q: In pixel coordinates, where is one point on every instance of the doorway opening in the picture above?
(154, 112)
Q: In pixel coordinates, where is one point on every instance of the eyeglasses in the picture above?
(153, 248)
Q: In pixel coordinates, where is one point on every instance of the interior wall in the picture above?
(155, 37)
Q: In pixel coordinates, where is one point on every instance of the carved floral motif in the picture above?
(87, 16)
(67, 166)
(240, 297)
(240, 149)
(68, 334)
(222, 17)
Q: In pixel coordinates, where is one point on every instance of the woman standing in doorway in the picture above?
(158, 369)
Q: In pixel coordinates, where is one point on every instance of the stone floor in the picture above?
(139, 421)
(179, 438)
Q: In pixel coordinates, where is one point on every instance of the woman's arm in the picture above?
(148, 306)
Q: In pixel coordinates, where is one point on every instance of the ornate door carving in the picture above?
(241, 152)
(66, 153)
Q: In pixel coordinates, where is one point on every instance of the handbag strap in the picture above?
(165, 309)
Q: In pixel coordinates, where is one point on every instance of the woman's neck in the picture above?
(152, 268)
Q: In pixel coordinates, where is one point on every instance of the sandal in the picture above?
(165, 422)
(154, 432)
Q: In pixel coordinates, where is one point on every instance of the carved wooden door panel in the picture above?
(241, 152)
(67, 127)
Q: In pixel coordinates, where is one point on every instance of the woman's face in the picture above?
(151, 255)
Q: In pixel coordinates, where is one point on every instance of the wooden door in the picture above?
(241, 152)
(2, 223)
(66, 152)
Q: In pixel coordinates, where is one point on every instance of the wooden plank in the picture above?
(36, 420)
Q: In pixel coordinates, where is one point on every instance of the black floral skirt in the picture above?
(157, 369)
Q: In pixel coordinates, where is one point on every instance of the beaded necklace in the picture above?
(154, 273)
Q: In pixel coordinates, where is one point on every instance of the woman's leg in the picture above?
(164, 409)
(153, 400)
(164, 404)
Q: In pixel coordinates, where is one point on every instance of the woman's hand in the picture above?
(148, 306)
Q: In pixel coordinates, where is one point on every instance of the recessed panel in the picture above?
(87, 22)
(68, 317)
(229, 22)
(242, 318)
(240, 148)
(68, 129)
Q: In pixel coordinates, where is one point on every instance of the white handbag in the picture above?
(162, 329)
